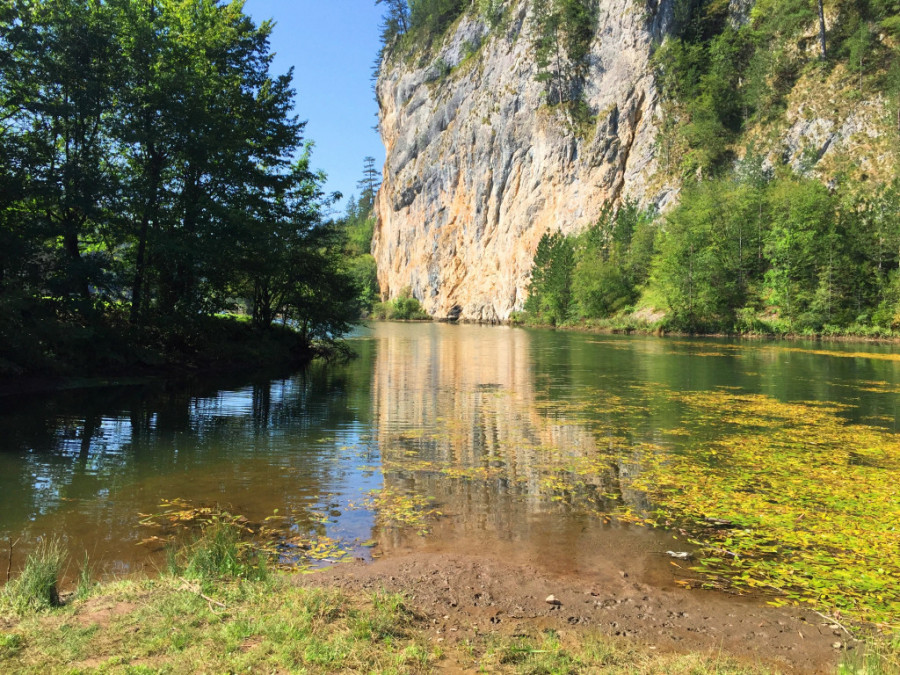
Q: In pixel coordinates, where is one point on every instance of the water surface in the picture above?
(502, 435)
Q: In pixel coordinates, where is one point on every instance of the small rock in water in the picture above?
(551, 600)
(681, 555)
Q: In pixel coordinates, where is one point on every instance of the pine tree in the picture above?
(369, 184)
(395, 21)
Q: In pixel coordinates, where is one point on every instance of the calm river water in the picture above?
(487, 433)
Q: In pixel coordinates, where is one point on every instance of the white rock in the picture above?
(680, 555)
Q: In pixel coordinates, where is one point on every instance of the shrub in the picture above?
(404, 307)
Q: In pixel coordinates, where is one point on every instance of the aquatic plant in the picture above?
(224, 543)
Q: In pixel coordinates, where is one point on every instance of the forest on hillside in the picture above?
(757, 241)
(153, 175)
(753, 245)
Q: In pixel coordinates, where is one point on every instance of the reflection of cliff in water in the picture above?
(462, 420)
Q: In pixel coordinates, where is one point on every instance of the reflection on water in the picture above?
(507, 430)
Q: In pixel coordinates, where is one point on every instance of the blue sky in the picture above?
(331, 45)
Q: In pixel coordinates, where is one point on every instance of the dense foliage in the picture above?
(357, 227)
(152, 173)
(718, 75)
(746, 252)
(596, 273)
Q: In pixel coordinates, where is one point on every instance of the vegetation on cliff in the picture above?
(754, 245)
(721, 74)
(749, 252)
(152, 176)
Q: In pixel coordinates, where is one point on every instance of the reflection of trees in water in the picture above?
(91, 459)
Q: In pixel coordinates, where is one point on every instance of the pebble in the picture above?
(551, 600)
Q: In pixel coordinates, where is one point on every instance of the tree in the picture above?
(60, 96)
(562, 35)
(802, 214)
(433, 16)
(369, 183)
(550, 289)
(703, 268)
(395, 21)
(821, 7)
(612, 260)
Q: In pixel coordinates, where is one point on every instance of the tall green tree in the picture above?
(796, 246)
(550, 290)
(62, 62)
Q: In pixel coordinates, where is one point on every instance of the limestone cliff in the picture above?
(478, 166)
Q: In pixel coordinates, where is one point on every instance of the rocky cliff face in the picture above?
(479, 166)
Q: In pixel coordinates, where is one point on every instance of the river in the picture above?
(464, 437)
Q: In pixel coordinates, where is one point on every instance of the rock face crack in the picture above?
(626, 147)
(479, 167)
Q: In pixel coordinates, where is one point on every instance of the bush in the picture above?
(404, 307)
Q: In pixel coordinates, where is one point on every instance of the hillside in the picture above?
(512, 120)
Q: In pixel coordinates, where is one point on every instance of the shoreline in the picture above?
(651, 331)
(456, 612)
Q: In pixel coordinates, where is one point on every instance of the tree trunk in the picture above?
(73, 252)
(150, 213)
(822, 30)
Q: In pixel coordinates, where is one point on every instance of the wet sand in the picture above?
(466, 595)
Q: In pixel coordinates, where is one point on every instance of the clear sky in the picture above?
(331, 45)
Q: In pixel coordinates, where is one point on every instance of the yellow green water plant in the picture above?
(785, 498)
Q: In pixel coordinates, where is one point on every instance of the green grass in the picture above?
(236, 617)
(36, 587)
(219, 552)
(164, 625)
(876, 657)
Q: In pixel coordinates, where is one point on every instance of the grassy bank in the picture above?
(166, 625)
(218, 609)
(647, 323)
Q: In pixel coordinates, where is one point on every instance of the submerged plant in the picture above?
(209, 542)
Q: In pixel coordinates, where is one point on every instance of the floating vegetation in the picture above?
(275, 538)
(877, 356)
(788, 499)
(397, 509)
(814, 501)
